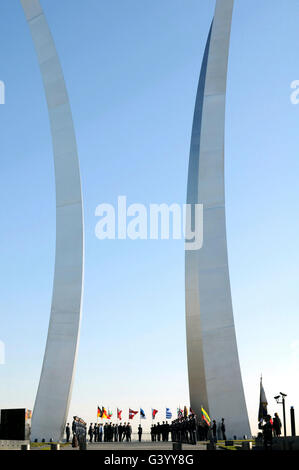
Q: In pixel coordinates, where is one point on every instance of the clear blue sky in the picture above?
(131, 68)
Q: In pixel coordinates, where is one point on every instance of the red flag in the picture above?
(119, 412)
(132, 413)
(154, 412)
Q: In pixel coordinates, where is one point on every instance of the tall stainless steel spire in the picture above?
(213, 365)
(55, 386)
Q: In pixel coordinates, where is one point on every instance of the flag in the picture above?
(154, 412)
(28, 414)
(205, 416)
(99, 413)
(132, 413)
(263, 403)
(180, 413)
(119, 412)
(109, 414)
(185, 411)
(142, 414)
(104, 413)
(168, 413)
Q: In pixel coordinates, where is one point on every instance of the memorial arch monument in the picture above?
(56, 381)
(213, 365)
(215, 381)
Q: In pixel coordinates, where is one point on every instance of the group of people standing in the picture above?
(271, 427)
(160, 431)
(109, 432)
(190, 429)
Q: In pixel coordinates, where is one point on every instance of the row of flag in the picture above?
(107, 414)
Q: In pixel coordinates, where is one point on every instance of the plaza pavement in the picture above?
(135, 445)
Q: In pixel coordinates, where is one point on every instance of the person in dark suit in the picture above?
(68, 432)
(100, 432)
(139, 432)
(95, 433)
(267, 433)
(106, 432)
(129, 432)
(126, 434)
(167, 430)
(223, 429)
(74, 426)
(214, 431)
(277, 425)
(116, 433)
(120, 432)
(158, 431)
(110, 432)
(124, 431)
(90, 432)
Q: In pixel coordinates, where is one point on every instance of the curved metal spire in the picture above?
(55, 386)
(213, 365)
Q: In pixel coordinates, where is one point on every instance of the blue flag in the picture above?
(142, 414)
(168, 413)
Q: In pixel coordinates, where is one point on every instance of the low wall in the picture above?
(12, 445)
(281, 443)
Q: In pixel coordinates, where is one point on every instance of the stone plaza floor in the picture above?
(135, 445)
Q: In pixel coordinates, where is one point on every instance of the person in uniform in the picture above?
(110, 432)
(277, 425)
(68, 432)
(106, 432)
(74, 425)
(158, 430)
(139, 432)
(267, 433)
(95, 432)
(214, 431)
(116, 433)
(120, 432)
(100, 432)
(167, 430)
(223, 429)
(129, 432)
(90, 432)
